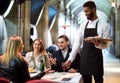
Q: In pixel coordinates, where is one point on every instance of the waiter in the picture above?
(91, 54)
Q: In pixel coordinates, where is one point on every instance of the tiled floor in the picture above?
(110, 58)
(111, 68)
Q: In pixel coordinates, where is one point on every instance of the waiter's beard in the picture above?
(90, 16)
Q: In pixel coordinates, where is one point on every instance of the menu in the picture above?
(60, 76)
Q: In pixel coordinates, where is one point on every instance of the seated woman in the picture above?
(13, 65)
(37, 54)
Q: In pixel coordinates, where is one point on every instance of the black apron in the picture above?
(91, 57)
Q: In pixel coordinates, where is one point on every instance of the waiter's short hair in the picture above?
(90, 4)
(64, 37)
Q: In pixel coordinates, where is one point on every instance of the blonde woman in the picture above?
(13, 65)
(37, 53)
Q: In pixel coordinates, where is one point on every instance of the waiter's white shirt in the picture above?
(102, 31)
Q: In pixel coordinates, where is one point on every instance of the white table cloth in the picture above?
(58, 76)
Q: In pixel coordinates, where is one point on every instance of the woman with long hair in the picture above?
(38, 53)
(13, 66)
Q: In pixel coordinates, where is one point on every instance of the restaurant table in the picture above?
(63, 77)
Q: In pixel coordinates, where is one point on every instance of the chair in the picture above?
(40, 81)
(4, 80)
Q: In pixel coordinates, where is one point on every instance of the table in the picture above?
(63, 77)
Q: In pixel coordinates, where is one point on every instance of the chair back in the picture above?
(4, 80)
(40, 81)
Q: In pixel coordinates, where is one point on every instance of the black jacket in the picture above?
(58, 55)
(17, 71)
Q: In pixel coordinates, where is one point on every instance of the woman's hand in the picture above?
(48, 70)
(52, 61)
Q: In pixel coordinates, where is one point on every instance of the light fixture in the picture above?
(61, 2)
(115, 4)
(65, 26)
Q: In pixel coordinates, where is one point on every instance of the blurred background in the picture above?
(47, 19)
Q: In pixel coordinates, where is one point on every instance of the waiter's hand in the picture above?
(67, 63)
(95, 41)
(71, 70)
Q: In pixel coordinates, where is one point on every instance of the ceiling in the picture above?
(3, 6)
(74, 8)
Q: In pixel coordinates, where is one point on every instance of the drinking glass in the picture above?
(63, 67)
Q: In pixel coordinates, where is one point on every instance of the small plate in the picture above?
(31, 70)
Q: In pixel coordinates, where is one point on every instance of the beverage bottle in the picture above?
(41, 66)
